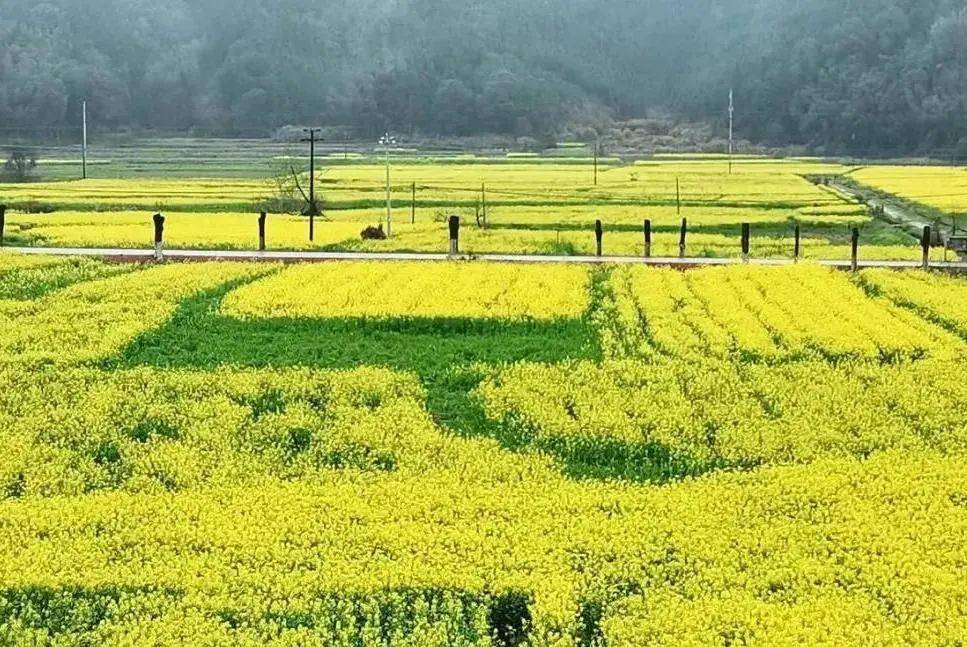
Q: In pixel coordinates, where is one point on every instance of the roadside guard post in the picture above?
(159, 236)
(454, 235)
(925, 244)
(599, 238)
(262, 217)
(855, 254)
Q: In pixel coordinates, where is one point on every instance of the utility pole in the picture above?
(386, 142)
(84, 144)
(483, 201)
(678, 196)
(597, 146)
(313, 207)
(731, 123)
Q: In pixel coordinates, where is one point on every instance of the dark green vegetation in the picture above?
(865, 77)
(451, 356)
(199, 337)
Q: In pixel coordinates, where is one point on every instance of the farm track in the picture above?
(145, 255)
(895, 211)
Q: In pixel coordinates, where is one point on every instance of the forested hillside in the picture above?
(860, 76)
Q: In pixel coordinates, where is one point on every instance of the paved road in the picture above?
(145, 255)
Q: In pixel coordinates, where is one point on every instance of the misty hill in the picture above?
(860, 76)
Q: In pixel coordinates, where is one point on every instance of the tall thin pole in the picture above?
(731, 124)
(84, 145)
(483, 201)
(312, 169)
(389, 198)
(678, 196)
(386, 141)
(597, 145)
(313, 209)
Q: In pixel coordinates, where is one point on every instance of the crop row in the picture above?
(415, 290)
(654, 422)
(766, 314)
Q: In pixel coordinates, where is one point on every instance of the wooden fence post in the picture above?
(855, 256)
(648, 239)
(681, 240)
(925, 243)
(454, 235)
(159, 236)
(599, 237)
(262, 217)
(798, 244)
(746, 240)
(3, 221)
(413, 206)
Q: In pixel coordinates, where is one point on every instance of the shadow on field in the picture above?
(451, 356)
(199, 336)
(81, 614)
(72, 611)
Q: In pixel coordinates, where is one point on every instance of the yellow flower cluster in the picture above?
(29, 277)
(938, 298)
(767, 313)
(716, 478)
(416, 290)
(824, 554)
(940, 187)
(95, 320)
(74, 431)
(751, 183)
(219, 231)
(511, 230)
(441, 560)
(688, 417)
(532, 208)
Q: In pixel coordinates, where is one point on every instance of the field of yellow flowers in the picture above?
(940, 187)
(480, 454)
(521, 208)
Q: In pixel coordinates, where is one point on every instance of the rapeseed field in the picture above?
(480, 454)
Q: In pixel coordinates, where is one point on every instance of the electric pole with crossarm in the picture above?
(312, 209)
(386, 141)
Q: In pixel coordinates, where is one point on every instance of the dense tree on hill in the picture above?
(863, 76)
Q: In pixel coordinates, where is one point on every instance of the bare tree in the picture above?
(284, 190)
